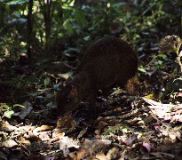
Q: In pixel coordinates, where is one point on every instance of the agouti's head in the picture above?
(67, 97)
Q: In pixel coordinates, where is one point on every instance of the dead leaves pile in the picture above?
(141, 132)
(129, 128)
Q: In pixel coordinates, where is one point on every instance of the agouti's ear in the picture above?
(74, 91)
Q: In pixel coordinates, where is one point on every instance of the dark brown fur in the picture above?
(108, 62)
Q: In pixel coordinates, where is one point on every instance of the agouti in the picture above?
(106, 63)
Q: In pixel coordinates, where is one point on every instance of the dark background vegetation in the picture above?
(41, 32)
(42, 42)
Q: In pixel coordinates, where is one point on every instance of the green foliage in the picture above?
(8, 114)
(142, 69)
(17, 2)
(117, 129)
(46, 82)
(85, 22)
(160, 60)
(12, 28)
(6, 110)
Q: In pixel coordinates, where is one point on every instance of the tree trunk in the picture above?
(47, 20)
(29, 28)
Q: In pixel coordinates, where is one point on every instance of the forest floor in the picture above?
(140, 127)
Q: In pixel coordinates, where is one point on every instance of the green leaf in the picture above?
(162, 56)
(4, 107)
(18, 2)
(68, 26)
(142, 69)
(118, 5)
(8, 114)
(80, 18)
(46, 82)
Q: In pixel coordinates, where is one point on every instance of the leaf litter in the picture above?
(130, 127)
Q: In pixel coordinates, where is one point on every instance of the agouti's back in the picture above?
(110, 61)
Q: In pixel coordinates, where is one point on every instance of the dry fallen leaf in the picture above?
(8, 143)
(66, 143)
(130, 140)
(170, 112)
(24, 141)
(44, 136)
(101, 156)
(112, 153)
(81, 154)
(57, 135)
(147, 146)
(5, 126)
(42, 128)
